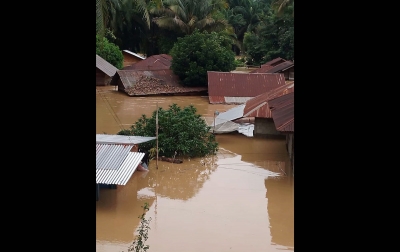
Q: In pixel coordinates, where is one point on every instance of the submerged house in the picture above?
(282, 109)
(237, 88)
(258, 108)
(104, 71)
(116, 159)
(152, 76)
(131, 58)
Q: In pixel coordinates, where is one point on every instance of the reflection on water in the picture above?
(239, 200)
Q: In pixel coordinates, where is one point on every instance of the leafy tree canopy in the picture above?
(181, 132)
(109, 51)
(195, 54)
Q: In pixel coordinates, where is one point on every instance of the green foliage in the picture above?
(138, 245)
(274, 38)
(195, 54)
(109, 51)
(181, 131)
(240, 62)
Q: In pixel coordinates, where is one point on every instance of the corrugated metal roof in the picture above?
(281, 67)
(153, 82)
(282, 109)
(121, 139)
(228, 84)
(262, 69)
(154, 62)
(105, 66)
(110, 156)
(113, 157)
(274, 62)
(134, 54)
(257, 106)
(130, 77)
(221, 125)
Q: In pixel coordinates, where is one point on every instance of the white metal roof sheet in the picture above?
(238, 100)
(134, 54)
(124, 172)
(120, 139)
(111, 156)
(232, 114)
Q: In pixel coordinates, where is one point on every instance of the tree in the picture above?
(274, 38)
(280, 6)
(245, 15)
(194, 55)
(188, 15)
(181, 132)
(109, 51)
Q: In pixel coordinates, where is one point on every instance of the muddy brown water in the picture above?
(241, 199)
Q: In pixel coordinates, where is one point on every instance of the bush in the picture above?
(109, 51)
(181, 132)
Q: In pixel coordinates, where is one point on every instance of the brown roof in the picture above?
(140, 82)
(259, 105)
(129, 77)
(282, 109)
(274, 62)
(262, 69)
(281, 67)
(155, 62)
(105, 66)
(225, 85)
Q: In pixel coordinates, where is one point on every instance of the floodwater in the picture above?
(241, 199)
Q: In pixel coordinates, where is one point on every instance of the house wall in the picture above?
(290, 148)
(101, 78)
(265, 126)
(120, 86)
(289, 73)
(130, 59)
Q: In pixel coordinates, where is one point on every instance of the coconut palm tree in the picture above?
(106, 13)
(281, 5)
(188, 15)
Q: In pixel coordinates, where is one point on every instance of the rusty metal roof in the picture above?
(129, 77)
(262, 69)
(226, 87)
(282, 109)
(274, 62)
(134, 54)
(140, 82)
(258, 106)
(281, 67)
(105, 66)
(155, 62)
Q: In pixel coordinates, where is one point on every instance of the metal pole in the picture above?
(157, 136)
(214, 124)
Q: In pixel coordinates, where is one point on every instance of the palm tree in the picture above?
(281, 5)
(106, 13)
(245, 16)
(188, 15)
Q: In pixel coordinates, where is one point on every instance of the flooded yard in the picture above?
(238, 200)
